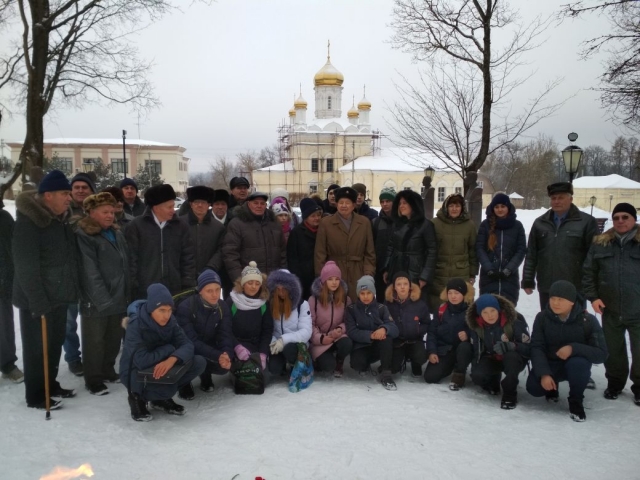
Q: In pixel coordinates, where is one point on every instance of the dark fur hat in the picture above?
(221, 195)
(116, 192)
(159, 194)
(346, 192)
(287, 280)
(200, 192)
(415, 202)
(560, 187)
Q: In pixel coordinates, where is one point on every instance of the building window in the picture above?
(459, 190)
(153, 166)
(329, 164)
(66, 165)
(117, 165)
(407, 188)
(314, 164)
(329, 102)
(441, 191)
(313, 189)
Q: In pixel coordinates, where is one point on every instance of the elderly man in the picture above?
(220, 206)
(611, 282)
(361, 205)
(132, 203)
(82, 185)
(254, 235)
(46, 281)
(239, 191)
(206, 234)
(160, 246)
(558, 244)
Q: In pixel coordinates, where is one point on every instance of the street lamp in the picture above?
(428, 191)
(572, 156)
(610, 200)
(592, 202)
(124, 151)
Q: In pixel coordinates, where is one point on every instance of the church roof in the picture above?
(607, 181)
(395, 159)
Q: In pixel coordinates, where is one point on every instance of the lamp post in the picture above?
(592, 202)
(571, 157)
(428, 191)
(610, 200)
(124, 151)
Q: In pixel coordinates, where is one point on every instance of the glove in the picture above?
(493, 274)
(263, 360)
(505, 273)
(277, 346)
(242, 353)
(500, 348)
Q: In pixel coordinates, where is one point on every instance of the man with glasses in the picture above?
(611, 282)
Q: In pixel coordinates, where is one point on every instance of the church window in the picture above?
(314, 164)
(459, 190)
(329, 102)
(441, 194)
(329, 164)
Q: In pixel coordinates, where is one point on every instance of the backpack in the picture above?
(248, 377)
(302, 372)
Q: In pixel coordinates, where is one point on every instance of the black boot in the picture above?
(168, 406)
(576, 410)
(138, 407)
(206, 384)
(186, 392)
(509, 401)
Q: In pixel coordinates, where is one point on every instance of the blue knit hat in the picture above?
(126, 182)
(485, 301)
(54, 181)
(207, 277)
(308, 207)
(158, 295)
(500, 199)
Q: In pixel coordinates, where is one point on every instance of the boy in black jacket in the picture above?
(565, 342)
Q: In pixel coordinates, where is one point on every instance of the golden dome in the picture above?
(353, 112)
(364, 104)
(292, 113)
(300, 102)
(328, 76)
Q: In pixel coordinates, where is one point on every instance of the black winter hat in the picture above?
(221, 195)
(116, 192)
(563, 289)
(54, 181)
(625, 208)
(346, 192)
(333, 186)
(457, 284)
(159, 194)
(401, 274)
(238, 182)
(309, 206)
(83, 177)
(129, 182)
(560, 187)
(200, 192)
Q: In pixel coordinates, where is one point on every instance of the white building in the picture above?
(609, 190)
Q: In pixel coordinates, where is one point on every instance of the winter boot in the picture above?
(98, 389)
(611, 393)
(387, 381)
(138, 407)
(168, 406)
(493, 387)
(636, 398)
(509, 401)
(76, 368)
(53, 405)
(457, 381)
(206, 383)
(576, 410)
(15, 375)
(339, 370)
(186, 392)
(416, 370)
(591, 384)
(60, 392)
(552, 396)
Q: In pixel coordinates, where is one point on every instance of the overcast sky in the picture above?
(226, 74)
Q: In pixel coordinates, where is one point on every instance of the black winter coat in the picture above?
(160, 255)
(508, 254)
(510, 327)
(382, 230)
(251, 328)
(327, 208)
(442, 333)
(6, 257)
(208, 328)
(300, 248)
(413, 245)
(146, 343)
(366, 211)
(207, 240)
(105, 287)
(558, 254)
(581, 330)
(411, 316)
(362, 320)
(136, 209)
(251, 239)
(612, 274)
(44, 258)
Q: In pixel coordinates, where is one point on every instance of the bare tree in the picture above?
(269, 156)
(73, 52)
(456, 37)
(222, 171)
(620, 90)
(595, 161)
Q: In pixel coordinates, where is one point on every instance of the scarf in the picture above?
(245, 303)
(310, 228)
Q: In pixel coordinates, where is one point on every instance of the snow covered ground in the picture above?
(347, 428)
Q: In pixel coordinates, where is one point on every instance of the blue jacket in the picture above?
(508, 254)
(442, 334)
(362, 320)
(208, 328)
(411, 316)
(147, 343)
(581, 330)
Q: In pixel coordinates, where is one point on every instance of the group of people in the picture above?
(339, 281)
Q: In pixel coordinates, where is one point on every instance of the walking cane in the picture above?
(45, 353)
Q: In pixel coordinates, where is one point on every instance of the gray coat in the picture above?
(612, 274)
(558, 253)
(105, 288)
(44, 257)
(207, 240)
(249, 239)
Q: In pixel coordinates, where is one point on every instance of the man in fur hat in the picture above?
(160, 246)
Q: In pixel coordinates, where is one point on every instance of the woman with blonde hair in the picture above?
(291, 319)
(330, 344)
